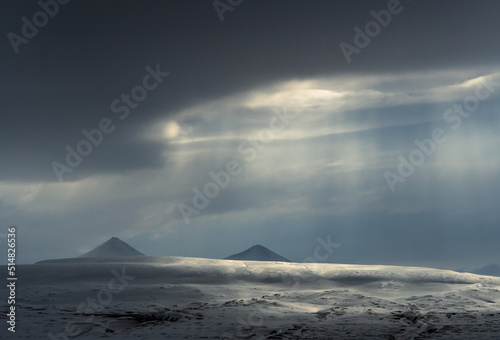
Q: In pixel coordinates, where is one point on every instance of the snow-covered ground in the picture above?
(178, 298)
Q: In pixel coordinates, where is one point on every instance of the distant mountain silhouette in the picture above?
(491, 269)
(114, 247)
(258, 253)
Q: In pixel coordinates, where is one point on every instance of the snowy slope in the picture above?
(114, 247)
(178, 298)
(258, 253)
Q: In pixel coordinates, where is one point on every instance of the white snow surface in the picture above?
(258, 253)
(193, 298)
(114, 247)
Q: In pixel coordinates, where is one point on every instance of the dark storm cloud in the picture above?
(323, 175)
(65, 78)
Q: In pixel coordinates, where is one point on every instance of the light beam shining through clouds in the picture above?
(389, 154)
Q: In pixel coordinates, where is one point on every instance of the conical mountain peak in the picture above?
(114, 247)
(258, 252)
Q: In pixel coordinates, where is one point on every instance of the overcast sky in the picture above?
(312, 108)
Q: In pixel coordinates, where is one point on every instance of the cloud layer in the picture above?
(319, 173)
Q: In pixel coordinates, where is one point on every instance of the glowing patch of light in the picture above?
(303, 94)
(171, 129)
